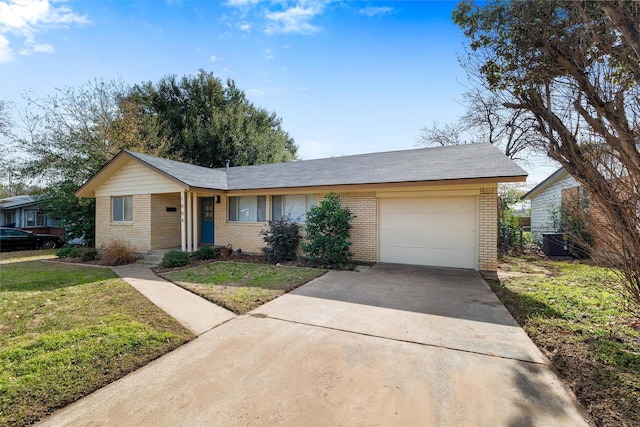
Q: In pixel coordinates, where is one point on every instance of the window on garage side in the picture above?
(247, 209)
(295, 206)
(122, 208)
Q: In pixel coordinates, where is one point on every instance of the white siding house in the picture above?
(545, 202)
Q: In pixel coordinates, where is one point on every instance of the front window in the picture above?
(295, 206)
(122, 209)
(34, 218)
(248, 209)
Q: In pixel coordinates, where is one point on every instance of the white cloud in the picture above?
(372, 11)
(38, 48)
(24, 19)
(278, 16)
(5, 50)
(214, 58)
(294, 20)
(268, 54)
(241, 3)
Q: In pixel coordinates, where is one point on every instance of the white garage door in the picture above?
(435, 231)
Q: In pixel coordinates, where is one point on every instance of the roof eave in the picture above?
(377, 185)
(88, 188)
(544, 184)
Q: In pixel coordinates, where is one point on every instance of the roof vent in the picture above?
(226, 164)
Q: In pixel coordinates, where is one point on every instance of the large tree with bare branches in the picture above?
(486, 119)
(574, 66)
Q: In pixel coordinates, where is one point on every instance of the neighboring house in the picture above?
(26, 213)
(546, 198)
(429, 206)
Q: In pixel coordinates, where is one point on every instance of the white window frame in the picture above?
(291, 204)
(123, 206)
(247, 209)
(37, 214)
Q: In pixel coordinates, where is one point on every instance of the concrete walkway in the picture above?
(195, 313)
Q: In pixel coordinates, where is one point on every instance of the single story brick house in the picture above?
(427, 206)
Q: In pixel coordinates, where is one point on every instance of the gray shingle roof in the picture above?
(423, 164)
(16, 202)
(418, 165)
(193, 176)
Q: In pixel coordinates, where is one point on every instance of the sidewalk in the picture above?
(195, 313)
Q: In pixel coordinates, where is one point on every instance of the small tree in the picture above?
(508, 225)
(282, 239)
(574, 220)
(328, 233)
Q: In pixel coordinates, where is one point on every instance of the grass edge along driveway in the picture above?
(241, 287)
(68, 330)
(574, 313)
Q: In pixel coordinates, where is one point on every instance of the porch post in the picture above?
(189, 223)
(195, 222)
(183, 225)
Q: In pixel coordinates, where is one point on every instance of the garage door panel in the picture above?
(435, 257)
(426, 205)
(421, 221)
(437, 231)
(438, 239)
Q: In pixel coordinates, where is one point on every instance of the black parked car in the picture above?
(14, 239)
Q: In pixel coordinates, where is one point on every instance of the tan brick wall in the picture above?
(247, 235)
(488, 229)
(243, 235)
(364, 227)
(165, 226)
(153, 227)
(137, 232)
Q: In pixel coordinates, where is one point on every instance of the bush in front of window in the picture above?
(175, 259)
(328, 232)
(282, 239)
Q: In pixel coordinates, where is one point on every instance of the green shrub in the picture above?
(328, 233)
(207, 252)
(64, 252)
(75, 252)
(118, 252)
(175, 259)
(89, 254)
(282, 240)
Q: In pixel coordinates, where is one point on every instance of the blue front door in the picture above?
(206, 223)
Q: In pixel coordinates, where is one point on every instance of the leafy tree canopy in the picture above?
(202, 121)
(197, 119)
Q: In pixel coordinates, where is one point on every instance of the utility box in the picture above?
(555, 244)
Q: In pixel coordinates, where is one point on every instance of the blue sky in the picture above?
(346, 77)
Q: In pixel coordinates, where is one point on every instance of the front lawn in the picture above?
(241, 287)
(574, 313)
(67, 330)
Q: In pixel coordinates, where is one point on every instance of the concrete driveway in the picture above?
(396, 345)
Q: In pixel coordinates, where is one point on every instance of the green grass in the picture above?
(241, 287)
(67, 330)
(575, 313)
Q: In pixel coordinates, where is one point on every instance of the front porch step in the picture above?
(154, 258)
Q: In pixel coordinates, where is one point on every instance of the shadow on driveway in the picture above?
(460, 294)
(447, 308)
